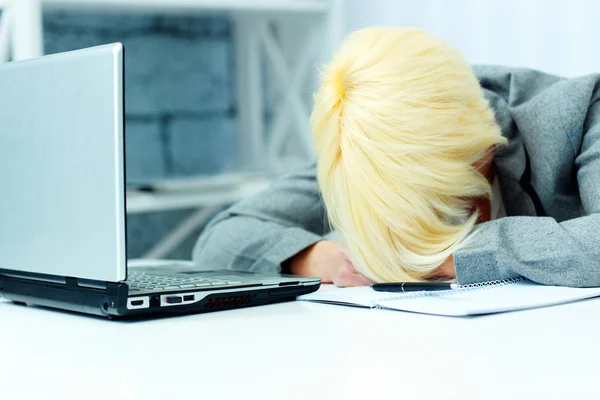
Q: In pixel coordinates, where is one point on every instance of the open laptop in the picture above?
(62, 201)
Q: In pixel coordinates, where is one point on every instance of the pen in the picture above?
(413, 286)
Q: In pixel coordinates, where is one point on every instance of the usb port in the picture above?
(173, 299)
(189, 297)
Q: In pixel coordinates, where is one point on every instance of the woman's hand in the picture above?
(446, 270)
(347, 275)
(329, 261)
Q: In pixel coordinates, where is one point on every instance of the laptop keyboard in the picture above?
(142, 281)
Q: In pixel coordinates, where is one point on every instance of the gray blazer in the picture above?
(549, 175)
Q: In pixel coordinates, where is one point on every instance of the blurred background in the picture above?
(218, 92)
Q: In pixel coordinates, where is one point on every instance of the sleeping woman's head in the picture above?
(400, 126)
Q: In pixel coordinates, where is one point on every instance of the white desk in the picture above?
(301, 351)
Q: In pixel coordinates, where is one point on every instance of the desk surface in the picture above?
(301, 350)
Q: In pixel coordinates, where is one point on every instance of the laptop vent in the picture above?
(228, 301)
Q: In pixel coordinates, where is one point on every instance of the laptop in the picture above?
(63, 241)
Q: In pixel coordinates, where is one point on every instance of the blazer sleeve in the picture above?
(261, 232)
(540, 248)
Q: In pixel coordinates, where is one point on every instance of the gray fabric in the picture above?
(555, 122)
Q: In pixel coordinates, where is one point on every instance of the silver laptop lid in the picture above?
(62, 208)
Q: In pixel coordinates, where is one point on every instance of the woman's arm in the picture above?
(540, 248)
(261, 232)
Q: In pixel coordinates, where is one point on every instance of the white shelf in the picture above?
(303, 6)
(196, 192)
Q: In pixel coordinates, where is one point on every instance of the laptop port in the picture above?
(189, 297)
(155, 301)
(137, 302)
(174, 300)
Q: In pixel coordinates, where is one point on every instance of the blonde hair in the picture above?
(399, 123)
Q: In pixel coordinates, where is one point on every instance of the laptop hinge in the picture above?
(91, 284)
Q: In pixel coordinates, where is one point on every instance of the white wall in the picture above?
(557, 36)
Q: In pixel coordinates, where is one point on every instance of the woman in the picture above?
(411, 142)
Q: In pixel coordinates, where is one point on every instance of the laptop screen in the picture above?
(62, 207)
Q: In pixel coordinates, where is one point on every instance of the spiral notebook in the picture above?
(475, 299)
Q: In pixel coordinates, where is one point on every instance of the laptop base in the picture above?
(112, 302)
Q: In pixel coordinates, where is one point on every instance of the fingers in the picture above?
(348, 275)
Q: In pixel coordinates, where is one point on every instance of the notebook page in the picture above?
(494, 299)
(362, 296)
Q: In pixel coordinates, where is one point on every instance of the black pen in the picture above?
(413, 286)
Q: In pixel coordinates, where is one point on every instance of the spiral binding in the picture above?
(471, 287)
